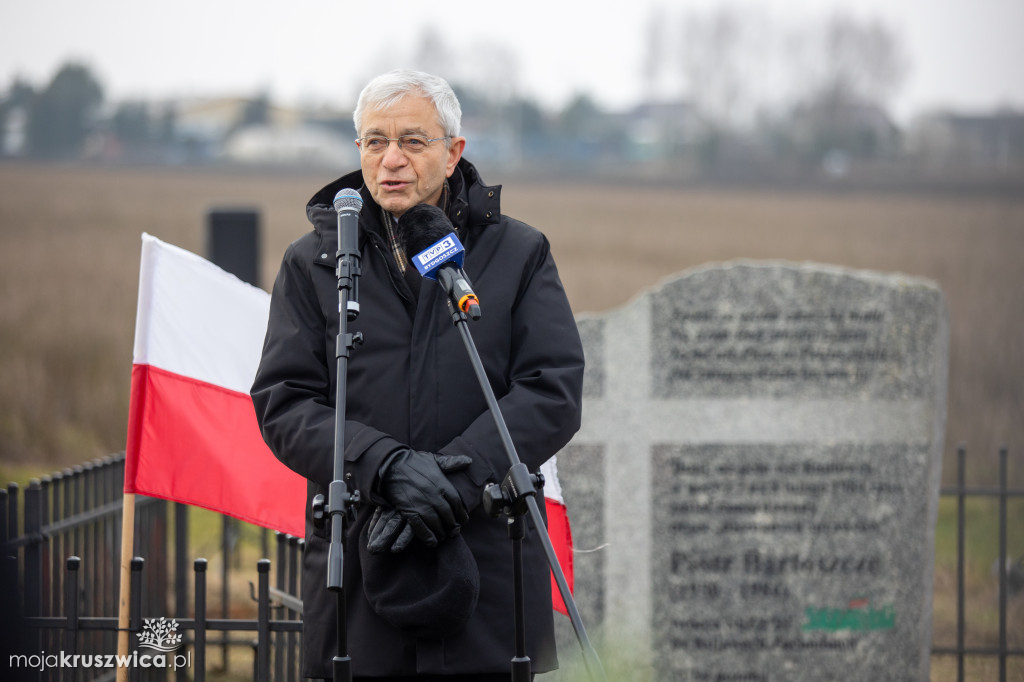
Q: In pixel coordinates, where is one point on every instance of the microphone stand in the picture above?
(341, 504)
(516, 496)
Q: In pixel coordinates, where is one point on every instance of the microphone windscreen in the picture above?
(422, 226)
(348, 198)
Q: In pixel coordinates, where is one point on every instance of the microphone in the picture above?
(424, 230)
(348, 203)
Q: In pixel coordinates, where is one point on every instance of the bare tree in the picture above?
(491, 68)
(855, 61)
(655, 53)
(851, 69)
(432, 53)
(719, 55)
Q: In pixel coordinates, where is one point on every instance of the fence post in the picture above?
(11, 609)
(178, 566)
(33, 550)
(67, 476)
(135, 617)
(71, 607)
(279, 583)
(45, 578)
(961, 498)
(77, 484)
(227, 545)
(1004, 567)
(108, 494)
(295, 546)
(159, 541)
(88, 538)
(263, 629)
(3, 518)
(33, 576)
(12, 510)
(57, 542)
(199, 674)
(181, 557)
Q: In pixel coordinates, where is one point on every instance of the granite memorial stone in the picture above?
(755, 485)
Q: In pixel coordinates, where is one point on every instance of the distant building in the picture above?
(301, 144)
(988, 141)
(658, 131)
(253, 131)
(14, 134)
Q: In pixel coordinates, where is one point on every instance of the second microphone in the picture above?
(426, 232)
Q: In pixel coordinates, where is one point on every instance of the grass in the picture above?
(981, 585)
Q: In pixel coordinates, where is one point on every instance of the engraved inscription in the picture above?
(830, 350)
(786, 332)
(776, 553)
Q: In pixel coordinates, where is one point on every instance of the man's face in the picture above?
(397, 178)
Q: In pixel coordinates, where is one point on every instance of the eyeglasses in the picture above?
(410, 144)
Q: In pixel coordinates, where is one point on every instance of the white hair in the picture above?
(388, 89)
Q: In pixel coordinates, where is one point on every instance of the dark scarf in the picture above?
(390, 223)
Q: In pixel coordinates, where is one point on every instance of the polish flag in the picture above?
(192, 430)
(558, 529)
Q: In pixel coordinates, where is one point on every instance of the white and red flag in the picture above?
(192, 430)
(558, 529)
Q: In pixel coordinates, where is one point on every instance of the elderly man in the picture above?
(427, 573)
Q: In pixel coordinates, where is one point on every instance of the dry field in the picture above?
(69, 259)
(69, 253)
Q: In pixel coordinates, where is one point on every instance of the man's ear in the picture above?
(455, 149)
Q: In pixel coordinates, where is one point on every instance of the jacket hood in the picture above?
(473, 202)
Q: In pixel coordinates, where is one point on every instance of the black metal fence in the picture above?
(1010, 572)
(60, 581)
(61, 537)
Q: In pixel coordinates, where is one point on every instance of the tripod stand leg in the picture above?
(521, 662)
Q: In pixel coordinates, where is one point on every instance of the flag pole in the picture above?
(124, 601)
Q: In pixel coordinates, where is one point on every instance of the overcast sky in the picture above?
(963, 54)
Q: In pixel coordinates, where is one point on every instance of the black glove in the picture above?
(388, 531)
(425, 503)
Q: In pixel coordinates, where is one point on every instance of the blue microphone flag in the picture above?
(447, 250)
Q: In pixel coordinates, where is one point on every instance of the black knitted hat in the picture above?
(428, 592)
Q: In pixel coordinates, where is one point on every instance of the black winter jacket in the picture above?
(411, 383)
